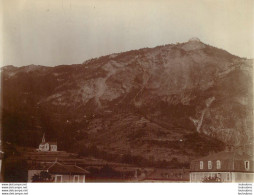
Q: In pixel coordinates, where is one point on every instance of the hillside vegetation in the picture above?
(176, 101)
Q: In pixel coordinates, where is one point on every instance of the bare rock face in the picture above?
(194, 39)
(193, 44)
(143, 100)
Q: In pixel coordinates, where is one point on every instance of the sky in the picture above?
(55, 32)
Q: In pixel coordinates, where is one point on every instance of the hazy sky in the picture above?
(54, 32)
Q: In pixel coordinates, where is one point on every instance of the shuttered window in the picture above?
(58, 178)
(209, 164)
(247, 165)
(76, 178)
(218, 164)
(201, 164)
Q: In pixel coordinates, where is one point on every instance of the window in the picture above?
(201, 164)
(247, 165)
(53, 147)
(84, 178)
(218, 164)
(209, 164)
(76, 178)
(58, 178)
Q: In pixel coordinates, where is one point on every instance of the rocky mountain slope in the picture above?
(172, 101)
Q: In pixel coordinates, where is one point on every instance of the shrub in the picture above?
(210, 179)
(43, 176)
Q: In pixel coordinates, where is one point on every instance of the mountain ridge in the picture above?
(157, 94)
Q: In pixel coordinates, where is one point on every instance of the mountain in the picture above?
(176, 101)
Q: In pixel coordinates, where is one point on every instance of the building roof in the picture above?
(39, 166)
(58, 168)
(224, 155)
(50, 143)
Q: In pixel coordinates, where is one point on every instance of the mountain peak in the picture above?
(193, 44)
(194, 39)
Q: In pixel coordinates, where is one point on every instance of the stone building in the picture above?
(226, 166)
(47, 146)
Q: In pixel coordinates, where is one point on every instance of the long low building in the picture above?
(226, 166)
(58, 172)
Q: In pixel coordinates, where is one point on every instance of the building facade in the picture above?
(60, 172)
(226, 166)
(47, 146)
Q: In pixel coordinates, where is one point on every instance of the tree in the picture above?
(14, 170)
(43, 176)
(108, 172)
(210, 179)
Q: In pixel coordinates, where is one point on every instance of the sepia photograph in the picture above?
(124, 91)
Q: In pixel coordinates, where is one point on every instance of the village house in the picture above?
(47, 146)
(59, 172)
(226, 166)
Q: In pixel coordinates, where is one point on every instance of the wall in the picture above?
(65, 178)
(198, 176)
(243, 177)
(226, 165)
(53, 147)
(69, 178)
